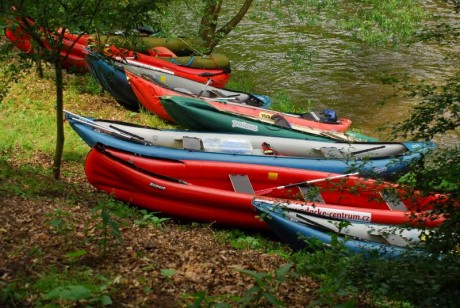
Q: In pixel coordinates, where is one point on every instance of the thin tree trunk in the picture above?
(59, 119)
(39, 68)
(208, 27)
(230, 25)
(38, 64)
(208, 24)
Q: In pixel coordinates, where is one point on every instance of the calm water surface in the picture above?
(339, 72)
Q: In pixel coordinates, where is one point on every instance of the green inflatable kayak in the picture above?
(197, 114)
(161, 48)
(143, 43)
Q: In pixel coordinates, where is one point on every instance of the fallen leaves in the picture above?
(152, 266)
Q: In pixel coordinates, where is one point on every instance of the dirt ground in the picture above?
(152, 266)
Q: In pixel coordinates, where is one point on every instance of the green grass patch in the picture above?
(30, 180)
(245, 240)
(28, 114)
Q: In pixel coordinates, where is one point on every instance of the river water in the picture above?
(339, 72)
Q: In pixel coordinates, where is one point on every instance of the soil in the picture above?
(152, 266)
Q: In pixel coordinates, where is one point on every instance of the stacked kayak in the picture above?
(218, 75)
(229, 194)
(149, 90)
(371, 158)
(112, 79)
(243, 165)
(71, 51)
(201, 115)
(149, 86)
(232, 102)
(298, 233)
(111, 76)
(145, 43)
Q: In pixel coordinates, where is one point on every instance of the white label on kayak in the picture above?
(157, 186)
(245, 125)
(332, 213)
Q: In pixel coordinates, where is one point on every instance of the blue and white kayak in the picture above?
(375, 159)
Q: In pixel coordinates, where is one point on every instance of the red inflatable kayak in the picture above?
(208, 191)
(72, 51)
(73, 55)
(148, 92)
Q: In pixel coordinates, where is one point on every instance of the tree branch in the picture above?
(229, 26)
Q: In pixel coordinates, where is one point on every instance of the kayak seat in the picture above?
(214, 93)
(241, 183)
(311, 193)
(280, 121)
(192, 143)
(393, 202)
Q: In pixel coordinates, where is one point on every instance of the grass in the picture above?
(28, 122)
(81, 247)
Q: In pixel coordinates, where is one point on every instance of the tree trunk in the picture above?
(208, 33)
(208, 23)
(59, 119)
(39, 68)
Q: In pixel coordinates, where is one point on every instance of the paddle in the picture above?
(205, 86)
(111, 130)
(368, 150)
(138, 64)
(267, 190)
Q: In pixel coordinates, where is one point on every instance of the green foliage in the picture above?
(387, 22)
(246, 242)
(10, 293)
(266, 285)
(28, 180)
(59, 287)
(74, 256)
(150, 218)
(119, 208)
(11, 67)
(420, 280)
(84, 84)
(106, 232)
(69, 293)
(243, 82)
(328, 264)
(59, 221)
(437, 113)
(440, 174)
(240, 239)
(373, 22)
(167, 272)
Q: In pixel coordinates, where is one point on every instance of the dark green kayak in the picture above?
(198, 115)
